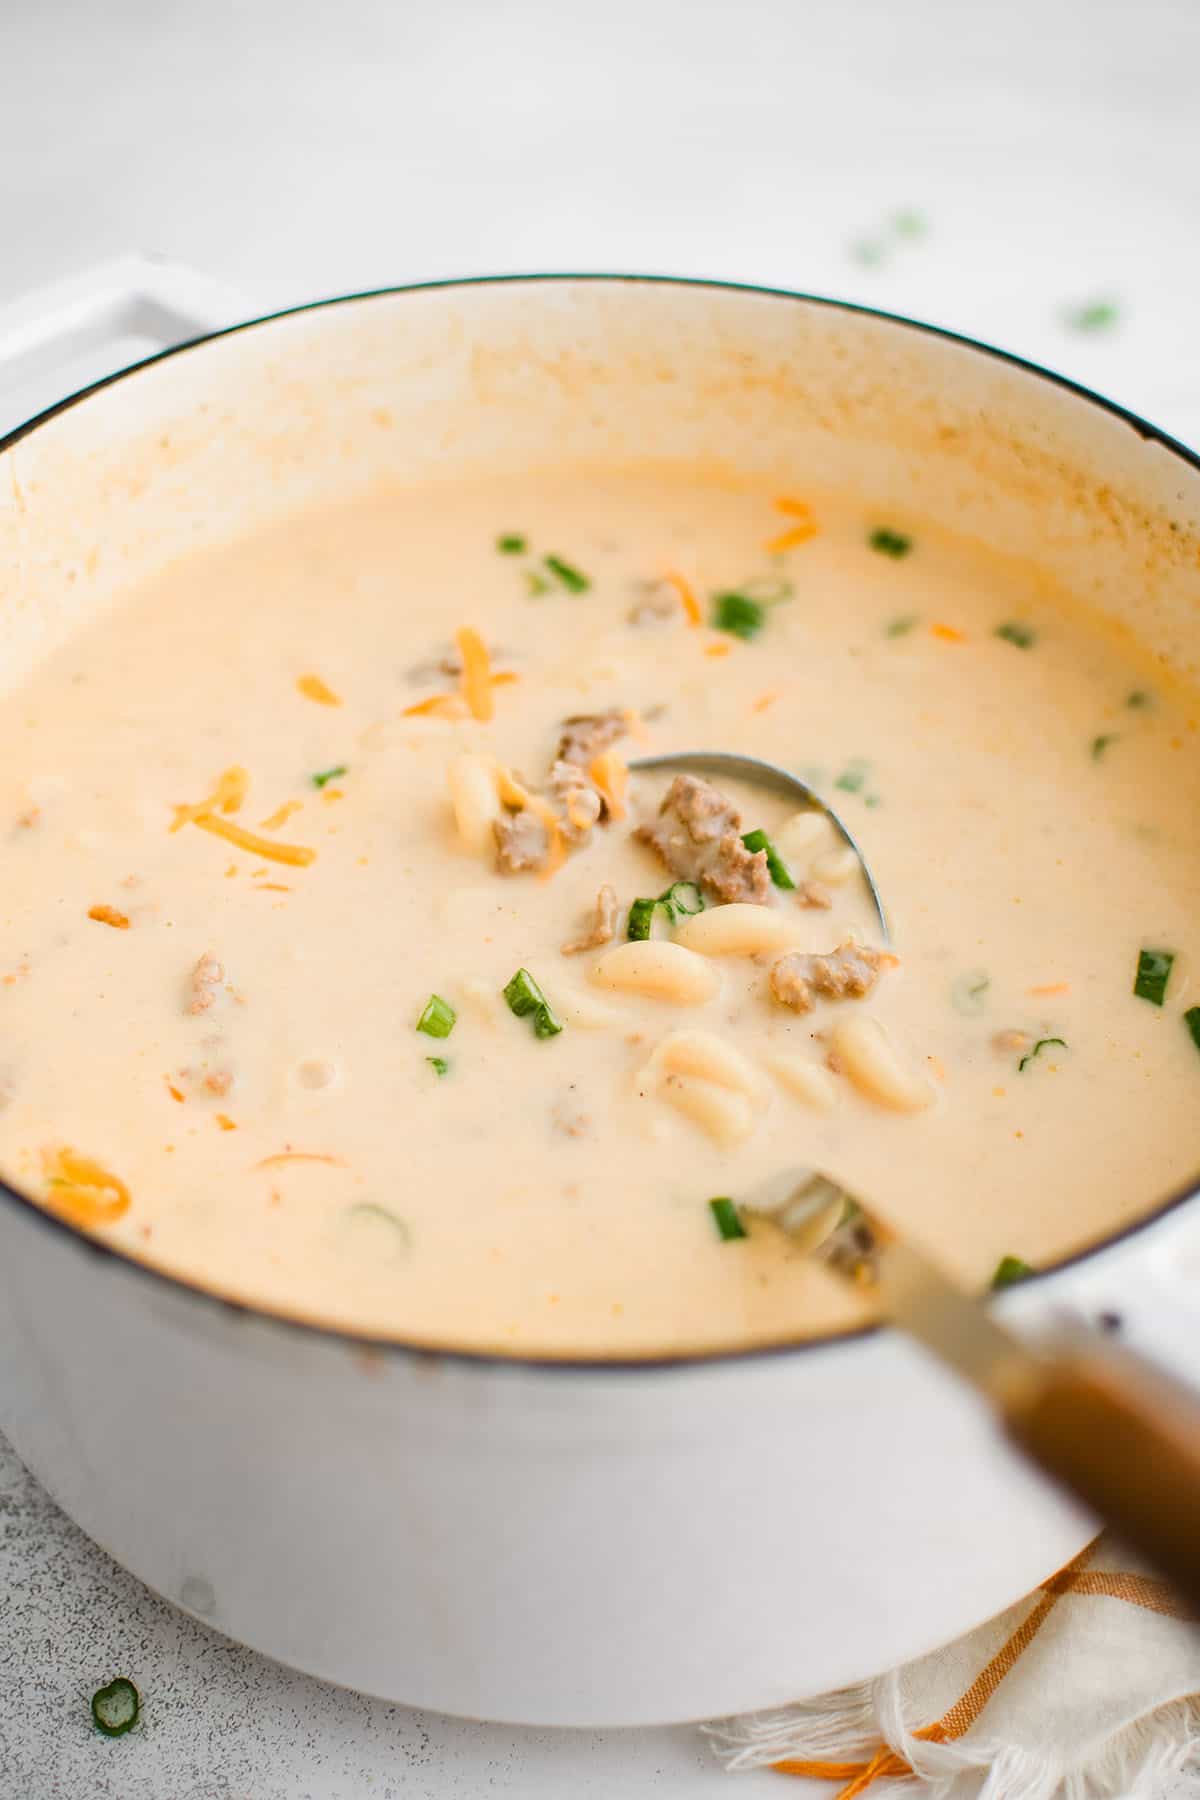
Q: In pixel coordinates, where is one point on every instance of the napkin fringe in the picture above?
(1138, 1763)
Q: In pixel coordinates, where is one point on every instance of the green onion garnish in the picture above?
(572, 579)
(889, 543)
(776, 867)
(739, 615)
(511, 544)
(1153, 973)
(900, 627)
(1009, 1270)
(115, 1708)
(1100, 744)
(438, 1064)
(1191, 1019)
(537, 583)
(853, 776)
(728, 1224)
(1092, 315)
(682, 899)
(1013, 632)
(1042, 1044)
(1139, 699)
(969, 992)
(641, 920)
(325, 775)
(437, 1018)
(525, 996)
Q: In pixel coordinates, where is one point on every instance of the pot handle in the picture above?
(61, 338)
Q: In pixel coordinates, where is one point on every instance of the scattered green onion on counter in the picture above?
(115, 1708)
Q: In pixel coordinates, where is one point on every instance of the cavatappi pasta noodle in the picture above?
(347, 968)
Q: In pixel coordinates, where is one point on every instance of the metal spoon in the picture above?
(768, 775)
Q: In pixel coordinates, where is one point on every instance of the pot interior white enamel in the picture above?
(520, 1541)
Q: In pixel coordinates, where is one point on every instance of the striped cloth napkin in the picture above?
(1089, 1689)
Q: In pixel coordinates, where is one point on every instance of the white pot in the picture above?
(540, 1543)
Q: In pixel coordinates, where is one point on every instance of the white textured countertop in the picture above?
(291, 150)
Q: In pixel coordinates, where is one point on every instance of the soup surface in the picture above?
(257, 929)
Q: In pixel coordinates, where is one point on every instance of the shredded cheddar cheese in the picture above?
(717, 649)
(296, 854)
(108, 915)
(281, 815)
(82, 1189)
(313, 688)
(228, 796)
(949, 634)
(791, 539)
(438, 706)
(795, 509)
(1051, 988)
(225, 1122)
(299, 1156)
(476, 672)
(610, 774)
(683, 588)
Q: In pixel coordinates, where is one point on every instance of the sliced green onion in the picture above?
(969, 992)
(682, 899)
(1010, 1269)
(537, 583)
(571, 578)
(437, 1018)
(853, 776)
(900, 627)
(1139, 699)
(776, 867)
(1042, 1044)
(725, 1213)
(1191, 1019)
(1092, 315)
(511, 544)
(1013, 632)
(890, 543)
(739, 615)
(524, 996)
(1153, 973)
(641, 920)
(115, 1708)
(1100, 744)
(438, 1064)
(325, 775)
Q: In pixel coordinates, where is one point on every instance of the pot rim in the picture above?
(681, 1360)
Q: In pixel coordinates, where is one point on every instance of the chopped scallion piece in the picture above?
(1100, 744)
(511, 544)
(537, 583)
(1010, 1269)
(853, 776)
(900, 627)
(1191, 1019)
(325, 775)
(776, 867)
(437, 1018)
(438, 1064)
(1092, 315)
(571, 578)
(525, 996)
(739, 615)
(1153, 973)
(115, 1708)
(725, 1213)
(641, 920)
(1139, 699)
(1042, 1044)
(1013, 632)
(969, 992)
(889, 543)
(682, 899)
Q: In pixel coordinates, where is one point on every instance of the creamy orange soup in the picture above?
(260, 914)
